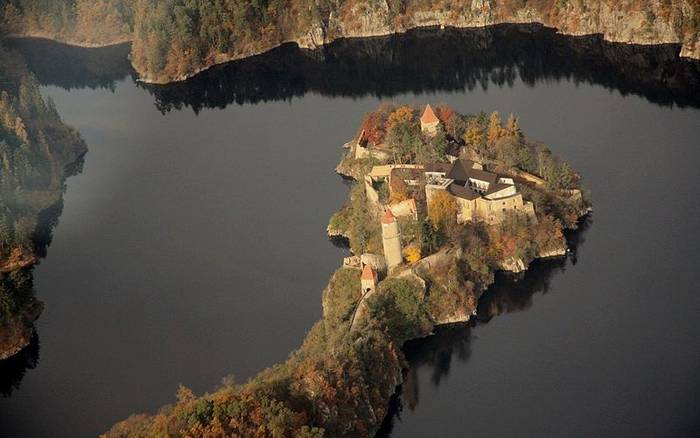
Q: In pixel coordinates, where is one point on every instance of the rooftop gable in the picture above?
(428, 115)
(368, 273)
(388, 217)
(497, 187)
(482, 175)
(460, 170)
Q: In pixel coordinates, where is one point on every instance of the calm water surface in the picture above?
(192, 245)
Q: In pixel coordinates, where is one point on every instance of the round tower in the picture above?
(391, 239)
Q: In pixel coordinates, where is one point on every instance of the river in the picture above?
(192, 246)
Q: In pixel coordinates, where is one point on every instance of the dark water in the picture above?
(192, 245)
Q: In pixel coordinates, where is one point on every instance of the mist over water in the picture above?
(192, 245)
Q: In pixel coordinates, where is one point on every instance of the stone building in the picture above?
(429, 121)
(363, 149)
(368, 280)
(407, 208)
(479, 195)
(391, 240)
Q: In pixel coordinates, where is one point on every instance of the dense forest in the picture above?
(82, 22)
(340, 381)
(37, 153)
(175, 39)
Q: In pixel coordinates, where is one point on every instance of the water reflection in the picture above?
(13, 369)
(510, 293)
(428, 60)
(37, 153)
(73, 67)
(422, 60)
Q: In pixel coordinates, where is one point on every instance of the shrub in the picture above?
(400, 307)
(341, 296)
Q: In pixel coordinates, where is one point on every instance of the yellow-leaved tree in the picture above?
(412, 254)
(495, 127)
(402, 114)
(442, 209)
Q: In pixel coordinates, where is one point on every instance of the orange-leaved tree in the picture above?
(402, 114)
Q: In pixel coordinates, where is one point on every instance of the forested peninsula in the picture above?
(440, 202)
(37, 153)
(175, 39)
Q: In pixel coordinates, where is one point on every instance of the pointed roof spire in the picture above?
(388, 217)
(428, 115)
(368, 273)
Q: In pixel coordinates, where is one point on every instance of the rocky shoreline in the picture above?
(317, 38)
(69, 41)
(16, 334)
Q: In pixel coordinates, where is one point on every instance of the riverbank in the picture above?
(69, 41)
(309, 42)
(625, 22)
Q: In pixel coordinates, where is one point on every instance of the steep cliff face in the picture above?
(625, 21)
(159, 59)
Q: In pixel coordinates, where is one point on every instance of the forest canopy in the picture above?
(85, 22)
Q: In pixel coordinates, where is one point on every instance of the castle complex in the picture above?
(479, 195)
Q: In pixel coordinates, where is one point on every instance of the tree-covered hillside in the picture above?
(175, 39)
(85, 22)
(37, 152)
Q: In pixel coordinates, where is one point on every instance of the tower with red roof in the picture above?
(368, 280)
(429, 121)
(391, 240)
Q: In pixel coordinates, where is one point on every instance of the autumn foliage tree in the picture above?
(398, 190)
(78, 21)
(412, 253)
(445, 113)
(403, 135)
(442, 209)
(512, 128)
(373, 126)
(511, 237)
(402, 114)
(495, 130)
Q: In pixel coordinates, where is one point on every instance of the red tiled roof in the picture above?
(388, 217)
(368, 273)
(428, 115)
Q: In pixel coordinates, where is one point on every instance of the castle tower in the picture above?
(368, 280)
(429, 121)
(391, 239)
